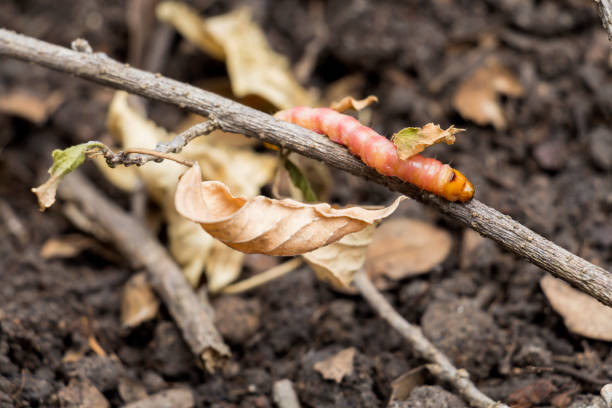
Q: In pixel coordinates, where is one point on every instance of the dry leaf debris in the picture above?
(254, 68)
(404, 247)
(33, 108)
(337, 263)
(348, 102)
(138, 302)
(264, 225)
(337, 366)
(581, 313)
(476, 98)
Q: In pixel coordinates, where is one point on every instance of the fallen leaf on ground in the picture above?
(532, 394)
(64, 162)
(476, 98)
(337, 366)
(138, 302)
(30, 107)
(66, 246)
(254, 68)
(348, 102)
(404, 247)
(222, 156)
(223, 266)
(264, 225)
(413, 140)
(403, 385)
(581, 313)
(337, 263)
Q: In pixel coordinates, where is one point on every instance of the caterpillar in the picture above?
(380, 153)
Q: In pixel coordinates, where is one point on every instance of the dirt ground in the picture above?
(550, 169)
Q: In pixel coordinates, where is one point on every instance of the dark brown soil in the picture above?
(551, 169)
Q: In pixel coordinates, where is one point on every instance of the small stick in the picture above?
(140, 156)
(604, 7)
(138, 245)
(236, 118)
(264, 277)
(440, 366)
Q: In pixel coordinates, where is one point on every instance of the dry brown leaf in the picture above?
(138, 302)
(404, 247)
(476, 98)
(264, 225)
(337, 263)
(30, 107)
(581, 313)
(348, 102)
(403, 385)
(254, 68)
(66, 246)
(235, 164)
(413, 140)
(337, 366)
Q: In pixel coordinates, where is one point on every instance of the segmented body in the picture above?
(380, 153)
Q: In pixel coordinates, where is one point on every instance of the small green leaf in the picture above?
(300, 181)
(64, 162)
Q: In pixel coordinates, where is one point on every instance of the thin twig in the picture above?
(138, 245)
(139, 156)
(264, 277)
(440, 365)
(236, 118)
(155, 153)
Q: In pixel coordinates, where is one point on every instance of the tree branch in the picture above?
(236, 118)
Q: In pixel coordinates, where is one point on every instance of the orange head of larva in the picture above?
(458, 188)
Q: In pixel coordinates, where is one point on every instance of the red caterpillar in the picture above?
(380, 153)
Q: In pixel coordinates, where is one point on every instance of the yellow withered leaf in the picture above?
(254, 68)
(264, 225)
(337, 263)
(413, 140)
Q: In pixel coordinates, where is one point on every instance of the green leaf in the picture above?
(300, 181)
(64, 162)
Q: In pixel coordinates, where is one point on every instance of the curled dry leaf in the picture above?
(337, 263)
(138, 302)
(348, 102)
(337, 366)
(413, 140)
(581, 313)
(264, 225)
(477, 100)
(30, 107)
(404, 247)
(254, 68)
(234, 163)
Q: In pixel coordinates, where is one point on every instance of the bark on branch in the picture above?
(237, 118)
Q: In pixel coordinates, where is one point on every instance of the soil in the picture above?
(551, 169)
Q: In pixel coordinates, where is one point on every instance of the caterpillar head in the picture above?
(458, 188)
